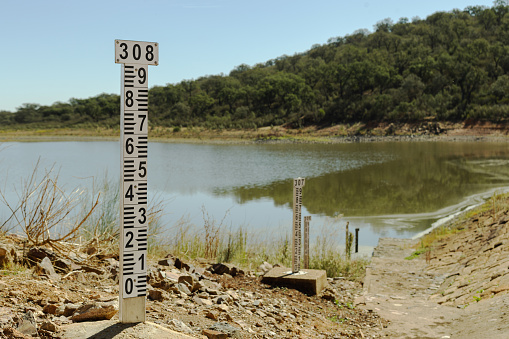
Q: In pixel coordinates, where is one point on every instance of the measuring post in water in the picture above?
(135, 56)
(298, 184)
(307, 219)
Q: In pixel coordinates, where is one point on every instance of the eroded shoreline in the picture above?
(343, 133)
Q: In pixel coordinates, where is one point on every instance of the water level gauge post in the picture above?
(298, 184)
(135, 57)
(307, 219)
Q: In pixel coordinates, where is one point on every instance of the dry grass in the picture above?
(249, 249)
(212, 233)
(326, 254)
(76, 221)
(101, 233)
(50, 133)
(49, 216)
(46, 213)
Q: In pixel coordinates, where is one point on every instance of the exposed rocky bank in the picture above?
(198, 299)
(458, 289)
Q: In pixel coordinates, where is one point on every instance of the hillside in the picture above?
(451, 66)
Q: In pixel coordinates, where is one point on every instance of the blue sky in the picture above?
(56, 50)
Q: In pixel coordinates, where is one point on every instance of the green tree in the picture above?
(28, 113)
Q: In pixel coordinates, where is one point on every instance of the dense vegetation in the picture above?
(451, 66)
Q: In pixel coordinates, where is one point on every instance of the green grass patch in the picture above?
(337, 319)
(491, 208)
(416, 254)
(249, 249)
(13, 269)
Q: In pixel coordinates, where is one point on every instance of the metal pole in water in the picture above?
(356, 240)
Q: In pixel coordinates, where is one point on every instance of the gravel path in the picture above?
(399, 290)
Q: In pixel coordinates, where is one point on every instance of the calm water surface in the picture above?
(385, 189)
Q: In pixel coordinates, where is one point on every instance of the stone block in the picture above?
(28, 324)
(310, 281)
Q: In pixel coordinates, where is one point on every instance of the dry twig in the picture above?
(45, 211)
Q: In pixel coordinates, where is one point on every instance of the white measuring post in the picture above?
(298, 184)
(307, 219)
(135, 56)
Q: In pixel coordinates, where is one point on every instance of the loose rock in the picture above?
(45, 267)
(28, 325)
(7, 254)
(211, 334)
(94, 311)
(49, 326)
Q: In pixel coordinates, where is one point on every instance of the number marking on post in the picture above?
(307, 219)
(135, 146)
(135, 123)
(136, 52)
(298, 184)
(135, 56)
(136, 99)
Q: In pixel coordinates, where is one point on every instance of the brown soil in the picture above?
(360, 132)
(254, 310)
(428, 130)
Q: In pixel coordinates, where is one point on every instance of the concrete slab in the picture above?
(112, 329)
(307, 281)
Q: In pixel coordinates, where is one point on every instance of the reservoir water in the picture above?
(384, 189)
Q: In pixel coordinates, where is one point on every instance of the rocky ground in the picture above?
(199, 299)
(458, 289)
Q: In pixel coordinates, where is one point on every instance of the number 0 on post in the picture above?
(135, 56)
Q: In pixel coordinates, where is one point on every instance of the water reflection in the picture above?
(385, 189)
(419, 178)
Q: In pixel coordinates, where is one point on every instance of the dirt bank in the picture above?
(54, 294)
(456, 289)
(342, 133)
